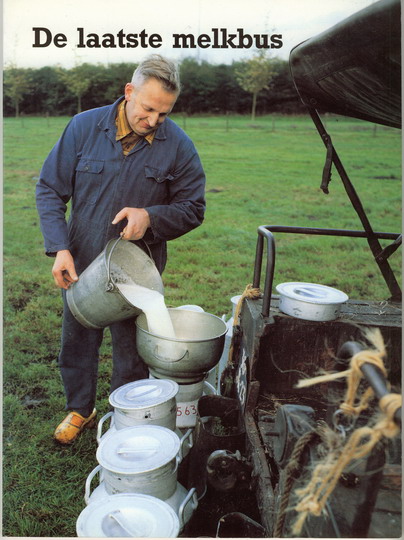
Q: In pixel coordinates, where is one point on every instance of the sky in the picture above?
(294, 20)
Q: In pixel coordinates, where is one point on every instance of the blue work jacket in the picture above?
(88, 168)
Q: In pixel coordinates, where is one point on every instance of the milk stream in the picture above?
(158, 318)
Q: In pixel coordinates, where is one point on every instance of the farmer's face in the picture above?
(147, 106)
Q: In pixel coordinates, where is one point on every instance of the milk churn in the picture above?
(146, 401)
(229, 334)
(131, 515)
(140, 459)
(187, 401)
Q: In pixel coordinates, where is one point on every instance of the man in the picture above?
(128, 170)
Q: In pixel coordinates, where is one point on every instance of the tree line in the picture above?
(258, 85)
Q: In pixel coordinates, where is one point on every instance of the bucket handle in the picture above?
(110, 283)
(191, 494)
(148, 249)
(87, 491)
(101, 423)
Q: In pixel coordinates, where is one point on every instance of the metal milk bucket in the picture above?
(128, 515)
(140, 459)
(146, 401)
(95, 300)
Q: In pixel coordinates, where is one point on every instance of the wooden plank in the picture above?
(364, 312)
(261, 474)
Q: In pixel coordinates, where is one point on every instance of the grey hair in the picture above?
(160, 68)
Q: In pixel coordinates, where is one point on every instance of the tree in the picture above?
(207, 88)
(254, 75)
(47, 94)
(226, 93)
(281, 94)
(112, 85)
(197, 86)
(78, 80)
(17, 83)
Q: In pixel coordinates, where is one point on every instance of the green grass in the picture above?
(264, 173)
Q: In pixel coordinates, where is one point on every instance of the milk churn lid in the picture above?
(313, 293)
(138, 449)
(143, 393)
(128, 515)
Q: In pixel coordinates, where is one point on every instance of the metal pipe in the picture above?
(372, 373)
(329, 232)
(265, 232)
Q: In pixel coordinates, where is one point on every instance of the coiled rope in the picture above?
(313, 497)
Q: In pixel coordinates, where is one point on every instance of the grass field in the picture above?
(260, 174)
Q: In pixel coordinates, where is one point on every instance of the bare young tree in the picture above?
(78, 80)
(254, 75)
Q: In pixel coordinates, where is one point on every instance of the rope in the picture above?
(326, 475)
(313, 497)
(371, 357)
(249, 292)
(292, 470)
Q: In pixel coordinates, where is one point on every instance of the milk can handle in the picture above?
(210, 387)
(101, 423)
(191, 494)
(110, 283)
(88, 483)
(183, 440)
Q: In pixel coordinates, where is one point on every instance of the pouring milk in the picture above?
(158, 318)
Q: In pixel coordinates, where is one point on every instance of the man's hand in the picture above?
(64, 272)
(138, 222)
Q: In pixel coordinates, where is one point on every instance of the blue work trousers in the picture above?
(79, 356)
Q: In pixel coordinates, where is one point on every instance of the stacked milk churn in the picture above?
(150, 432)
(138, 458)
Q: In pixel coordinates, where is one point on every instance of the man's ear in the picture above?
(129, 88)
